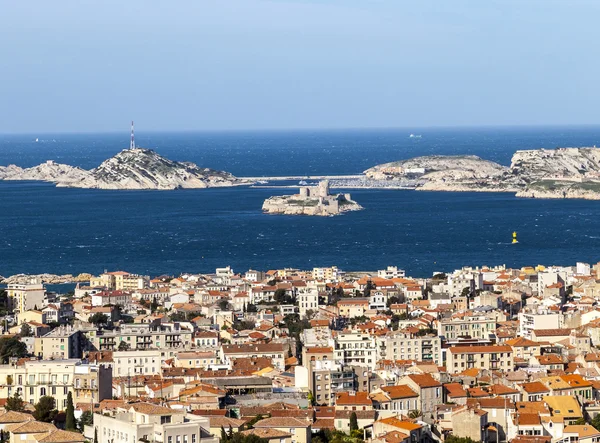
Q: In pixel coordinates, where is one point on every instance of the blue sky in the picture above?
(81, 65)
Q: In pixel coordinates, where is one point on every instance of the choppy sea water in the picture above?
(57, 230)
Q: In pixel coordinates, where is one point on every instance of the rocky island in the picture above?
(311, 200)
(541, 173)
(133, 168)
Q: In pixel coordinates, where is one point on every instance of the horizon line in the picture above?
(323, 129)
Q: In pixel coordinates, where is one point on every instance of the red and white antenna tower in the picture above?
(132, 143)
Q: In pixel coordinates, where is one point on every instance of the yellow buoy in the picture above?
(515, 237)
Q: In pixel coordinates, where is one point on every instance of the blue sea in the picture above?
(57, 230)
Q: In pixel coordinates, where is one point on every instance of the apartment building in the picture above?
(355, 349)
(391, 272)
(531, 319)
(144, 336)
(26, 296)
(459, 358)
(116, 297)
(402, 345)
(326, 274)
(308, 300)
(36, 378)
(120, 281)
(149, 422)
(63, 342)
(275, 351)
(479, 327)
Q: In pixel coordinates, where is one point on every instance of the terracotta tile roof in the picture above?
(584, 431)
(400, 391)
(282, 422)
(60, 436)
(150, 409)
(424, 380)
(479, 349)
(323, 423)
(528, 419)
(401, 424)
(359, 398)
(455, 390)
(30, 427)
(534, 387)
(267, 433)
(14, 417)
(551, 332)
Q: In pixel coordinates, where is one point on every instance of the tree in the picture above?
(580, 421)
(11, 347)
(281, 297)
(252, 422)
(70, 423)
(353, 422)
(124, 346)
(224, 304)
(98, 319)
(251, 308)
(154, 304)
(45, 409)
(223, 435)
(414, 414)
(393, 300)
(368, 288)
(15, 403)
(87, 419)
(25, 330)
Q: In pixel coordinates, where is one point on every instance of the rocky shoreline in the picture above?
(130, 169)
(52, 279)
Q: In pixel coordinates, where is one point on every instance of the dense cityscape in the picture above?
(301, 356)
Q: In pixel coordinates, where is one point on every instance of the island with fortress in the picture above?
(311, 200)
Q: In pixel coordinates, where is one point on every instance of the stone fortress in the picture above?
(311, 200)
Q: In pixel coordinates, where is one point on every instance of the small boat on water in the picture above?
(414, 136)
(302, 183)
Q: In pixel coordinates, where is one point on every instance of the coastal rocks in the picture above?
(131, 169)
(561, 189)
(575, 163)
(46, 278)
(444, 173)
(311, 200)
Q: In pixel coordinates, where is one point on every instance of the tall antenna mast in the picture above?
(132, 143)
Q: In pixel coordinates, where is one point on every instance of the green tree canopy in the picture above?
(15, 403)
(45, 409)
(11, 347)
(70, 422)
(98, 319)
(353, 422)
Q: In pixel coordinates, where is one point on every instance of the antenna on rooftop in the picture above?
(132, 143)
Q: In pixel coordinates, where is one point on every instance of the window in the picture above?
(169, 439)
(193, 438)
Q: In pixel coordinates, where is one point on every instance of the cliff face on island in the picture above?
(311, 200)
(135, 168)
(541, 173)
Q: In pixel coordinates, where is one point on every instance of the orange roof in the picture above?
(400, 391)
(358, 398)
(479, 349)
(424, 380)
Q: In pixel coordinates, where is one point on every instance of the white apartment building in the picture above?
(479, 327)
(120, 281)
(26, 296)
(144, 336)
(153, 423)
(56, 378)
(116, 297)
(391, 272)
(308, 300)
(399, 345)
(538, 318)
(355, 349)
(459, 358)
(326, 274)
